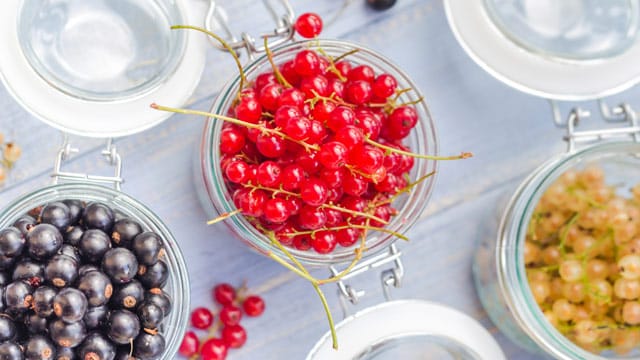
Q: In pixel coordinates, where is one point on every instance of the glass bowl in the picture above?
(177, 286)
(216, 198)
(499, 268)
(102, 50)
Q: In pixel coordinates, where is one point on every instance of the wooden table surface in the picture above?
(509, 132)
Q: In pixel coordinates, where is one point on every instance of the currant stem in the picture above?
(464, 155)
(357, 257)
(243, 78)
(276, 70)
(223, 217)
(299, 272)
(325, 305)
(356, 213)
(293, 259)
(346, 54)
(351, 226)
(235, 121)
(274, 191)
(405, 189)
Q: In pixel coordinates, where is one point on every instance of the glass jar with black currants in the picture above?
(87, 272)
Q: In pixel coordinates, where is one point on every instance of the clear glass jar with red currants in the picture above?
(216, 192)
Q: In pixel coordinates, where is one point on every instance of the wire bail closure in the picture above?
(109, 153)
(282, 33)
(389, 277)
(619, 114)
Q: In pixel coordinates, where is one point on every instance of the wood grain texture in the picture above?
(510, 133)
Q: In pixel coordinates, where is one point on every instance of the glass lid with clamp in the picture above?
(341, 234)
(559, 275)
(91, 68)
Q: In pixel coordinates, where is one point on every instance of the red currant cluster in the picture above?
(225, 333)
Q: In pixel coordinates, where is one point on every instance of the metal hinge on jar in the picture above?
(109, 153)
(281, 34)
(389, 277)
(621, 114)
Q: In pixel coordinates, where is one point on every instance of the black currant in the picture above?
(97, 287)
(4, 278)
(39, 348)
(150, 315)
(56, 214)
(96, 347)
(43, 241)
(76, 208)
(84, 269)
(11, 242)
(124, 231)
(98, 216)
(7, 329)
(160, 298)
(61, 271)
(148, 347)
(70, 251)
(124, 353)
(381, 4)
(148, 248)
(10, 351)
(65, 353)
(153, 276)
(95, 317)
(122, 326)
(18, 297)
(29, 271)
(43, 301)
(73, 234)
(128, 296)
(24, 224)
(67, 335)
(120, 264)
(93, 245)
(70, 305)
(36, 324)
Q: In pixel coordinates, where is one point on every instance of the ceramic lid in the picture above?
(409, 329)
(93, 117)
(509, 57)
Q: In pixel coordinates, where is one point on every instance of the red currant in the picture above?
(291, 97)
(271, 146)
(268, 174)
(306, 63)
(362, 72)
(269, 96)
(231, 140)
(313, 191)
(358, 92)
(311, 217)
(322, 110)
(332, 154)
(347, 237)
(190, 344)
(234, 336)
(253, 305)
(350, 136)
(308, 25)
(323, 242)
(288, 71)
(284, 114)
(201, 318)
(384, 86)
(263, 80)
(332, 177)
(224, 294)
(340, 117)
(298, 128)
(230, 315)
(315, 85)
(249, 110)
(276, 210)
(214, 349)
(238, 171)
(292, 176)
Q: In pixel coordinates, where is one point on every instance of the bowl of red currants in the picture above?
(320, 148)
(87, 272)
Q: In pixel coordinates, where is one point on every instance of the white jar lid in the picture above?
(396, 329)
(533, 72)
(97, 118)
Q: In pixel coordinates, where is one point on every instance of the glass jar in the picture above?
(499, 269)
(177, 286)
(102, 50)
(216, 198)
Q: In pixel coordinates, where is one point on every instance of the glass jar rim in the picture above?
(177, 320)
(399, 223)
(512, 277)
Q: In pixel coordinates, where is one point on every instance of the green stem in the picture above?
(464, 155)
(346, 54)
(276, 70)
(565, 231)
(325, 305)
(355, 213)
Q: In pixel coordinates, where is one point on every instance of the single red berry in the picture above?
(284, 114)
(231, 140)
(336, 88)
(340, 117)
(384, 86)
(306, 63)
(332, 177)
(323, 242)
(293, 204)
(317, 134)
(302, 242)
(253, 305)
(354, 203)
(344, 67)
(268, 174)
(283, 233)
(250, 202)
(354, 184)
(298, 128)
(309, 161)
(238, 171)
(263, 80)
(234, 335)
(350, 135)
(311, 217)
(362, 72)
(249, 110)
(190, 344)
(366, 158)
(230, 315)
(224, 294)
(335, 194)
(334, 217)
(214, 349)
(322, 110)
(332, 154)
(288, 70)
(201, 318)
(308, 25)
(313, 191)
(400, 122)
(315, 85)
(291, 177)
(269, 96)
(369, 123)
(271, 146)
(291, 97)
(358, 92)
(276, 210)
(347, 237)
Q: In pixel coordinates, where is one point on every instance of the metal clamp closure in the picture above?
(282, 33)
(620, 114)
(109, 153)
(389, 277)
